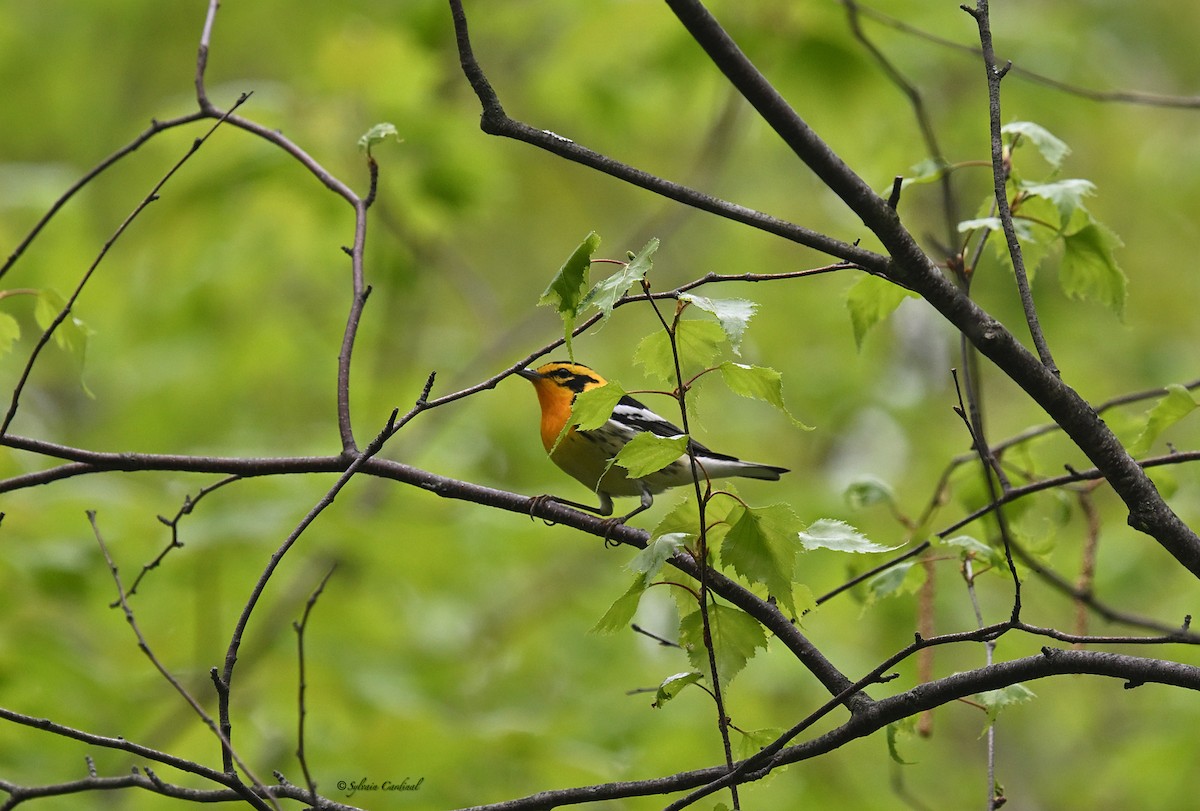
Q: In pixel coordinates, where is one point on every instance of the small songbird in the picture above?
(586, 454)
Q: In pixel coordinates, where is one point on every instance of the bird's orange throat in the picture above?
(556, 410)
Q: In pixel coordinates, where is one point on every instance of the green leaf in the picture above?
(1053, 149)
(682, 519)
(620, 613)
(377, 134)
(987, 223)
(897, 732)
(71, 335)
(698, 342)
(761, 546)
(996, 700)
(870, 301)
(903, 578)
(754, 741)
(1089, 268)
(672, 685)
(1066, 195)
(605, 294)
(735, 635)
(975, 549)
(650, 561)
(10, 331)
(647, 453)
(759, 382)
(1176, 404)
(867, 492)
(733, 314)
(929, 170)
(566, 290)
(830, 533)
(593, 407)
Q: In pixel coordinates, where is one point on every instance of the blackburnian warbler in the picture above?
(586, 455)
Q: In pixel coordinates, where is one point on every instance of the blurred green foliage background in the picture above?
(451, 643)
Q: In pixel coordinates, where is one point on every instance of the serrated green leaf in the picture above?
(903, 578)
(996, 700)
(672, 685)
(761, 546)
(830, 533)
(976, 550)
(605, 294)
(647, 453)
(760, 383)
(735, 635)
(10, 331)
(870, 301)
(377, 134)
(986, 223)
(566, 290)
(929, 170)
(1038, 520)
(751, 742)
(682, 519)
(71, 335)
(733, 314)
(650, 561)
(1066, 195)
(620, 613)
(1176, 404)
(1089, 267)
(593, 407)
(698, 342)
(867, 492)
(1052, 148)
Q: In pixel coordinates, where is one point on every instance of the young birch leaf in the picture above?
(672, 685)
(698, 343)
(650, 561)
(898, 579)
(867, 492)
(1066, 195)
(647, 453)
(897, 732)
(761, 383)
(733, 314)
(593, 407)
(996, 700)
(681, 520)
(987, 223)
(620, 613)
(755, 740)
(761, 546)
(829, 533)
(870, 301)
(1089, 268)
(566, 290)
(735, 636)
(1053, 149)
(377, 135)
(606, 292)
(976, 550)
(1176, 404)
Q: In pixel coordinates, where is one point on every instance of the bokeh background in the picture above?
(452, 643)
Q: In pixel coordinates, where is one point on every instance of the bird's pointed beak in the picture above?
(529, 374)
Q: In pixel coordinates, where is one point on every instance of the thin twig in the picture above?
(66, 309)
(302, 710)
(145, 648)
(1000, 173)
